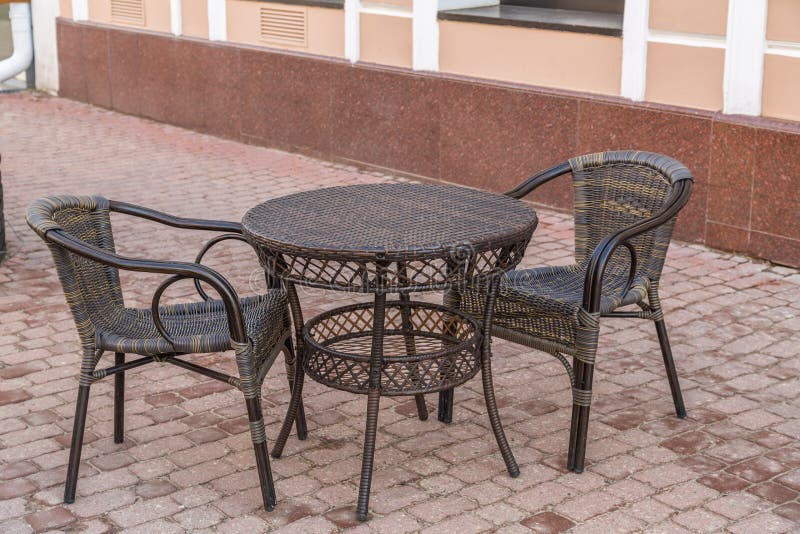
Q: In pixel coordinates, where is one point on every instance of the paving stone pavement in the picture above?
(187, 464)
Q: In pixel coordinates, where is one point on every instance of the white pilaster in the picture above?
(45, 51)
(425, 28)
(217, 20)
(352, 30)
(176, 16)
(744, 59)
(80, 9)
(635, 31)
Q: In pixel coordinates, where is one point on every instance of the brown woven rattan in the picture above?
(419, 236)
(392, 238)
(78, 232)
(426, 348)
(625, 208)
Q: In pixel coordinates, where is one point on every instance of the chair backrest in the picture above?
(616, 189)
(92, 289)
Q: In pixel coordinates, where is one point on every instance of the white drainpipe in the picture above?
(22, 37)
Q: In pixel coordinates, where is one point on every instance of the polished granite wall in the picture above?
(472, 132)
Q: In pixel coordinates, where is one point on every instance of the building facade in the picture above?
(477, 92)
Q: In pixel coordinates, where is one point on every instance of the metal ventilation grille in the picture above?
(128, 12)
(284, 25)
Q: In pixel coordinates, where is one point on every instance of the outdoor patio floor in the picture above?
(187, 463)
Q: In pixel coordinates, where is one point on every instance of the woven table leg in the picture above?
(291, 363)
(488, 386)
(297, 384)
(405, 313)
(373, 404)
(445, 408)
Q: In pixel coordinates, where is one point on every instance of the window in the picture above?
(603, 17)
(597, 6)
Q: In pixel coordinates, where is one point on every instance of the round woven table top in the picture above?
(387, 222)
(395, 220)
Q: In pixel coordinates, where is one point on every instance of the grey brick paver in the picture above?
(187, 463)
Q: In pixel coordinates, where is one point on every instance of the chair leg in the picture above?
(586, 335)
(119, 400)
(77, 443)
(669, 364)
(259, 436)
(300, 416)
(573, 428)
(581, 403)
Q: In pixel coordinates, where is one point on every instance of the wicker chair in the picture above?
(625, 208)
(78, 232)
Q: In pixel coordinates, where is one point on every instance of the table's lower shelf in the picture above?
(426, 348)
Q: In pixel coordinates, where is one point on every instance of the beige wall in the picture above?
(566, 60)
(783, 20)
(690, 16)
(194, 18)
(781, 94)
(407, 4)
(65, 8)
(386, 40)
(325, 27)
(685, 75)
(781, 98)
(156, 14)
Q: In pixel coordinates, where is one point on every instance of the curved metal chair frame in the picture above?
(97, 245)
(644, 190)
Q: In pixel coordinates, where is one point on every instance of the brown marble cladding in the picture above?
(477, 133)
(123, 54)
(286, 100)
(494, 138)
(71, 62)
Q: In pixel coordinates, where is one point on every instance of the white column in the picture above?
(80, 9)
(744, 59)
(635, 30)
(352, 30)
(45, 51)
(176, 16)
(425, 28)
(217, 20)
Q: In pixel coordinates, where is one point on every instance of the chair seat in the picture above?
(196, 326)
(544, 302)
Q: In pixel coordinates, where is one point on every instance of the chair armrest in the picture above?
(233, 229)
(593, 284)
(196, 271)
(171, 220)
(538, 179)
(206, 247)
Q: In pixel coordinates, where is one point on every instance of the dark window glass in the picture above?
(602, 6)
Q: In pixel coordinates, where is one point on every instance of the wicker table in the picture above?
(382, 239)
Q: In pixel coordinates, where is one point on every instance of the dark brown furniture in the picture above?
(77, 231)
(625, 208)
(383, 239)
